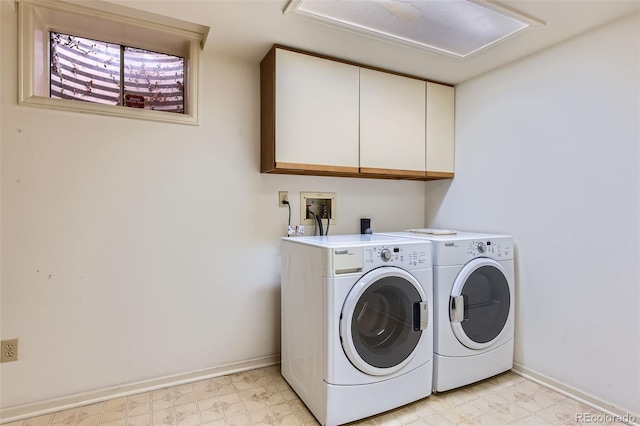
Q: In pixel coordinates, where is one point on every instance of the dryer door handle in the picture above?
(456, 308)
(420, 316)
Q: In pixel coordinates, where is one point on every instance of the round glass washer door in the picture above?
(380, 324)
(480, 303)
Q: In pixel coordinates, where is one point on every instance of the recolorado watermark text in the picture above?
(604, 418)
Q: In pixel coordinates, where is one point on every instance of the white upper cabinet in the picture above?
(322, 116)
(440, 129)
(316, 112)
(392, 124)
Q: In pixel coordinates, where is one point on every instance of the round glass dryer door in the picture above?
(479, 303)
(382, 320)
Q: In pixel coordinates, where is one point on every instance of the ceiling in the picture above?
(248, 29)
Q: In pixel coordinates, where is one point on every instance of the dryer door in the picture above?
(479, 303)
(382, 320)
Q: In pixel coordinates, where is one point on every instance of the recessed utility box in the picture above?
(323, 204)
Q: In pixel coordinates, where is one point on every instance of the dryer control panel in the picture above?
(458, 252)
(487, 248)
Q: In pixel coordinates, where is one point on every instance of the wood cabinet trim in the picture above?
(268, 112)
(393, 172)
(317, 168)
(338, 171)
(439, 175)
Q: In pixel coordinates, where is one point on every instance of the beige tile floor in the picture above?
(262, 397)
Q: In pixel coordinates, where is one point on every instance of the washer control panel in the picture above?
(407, 256)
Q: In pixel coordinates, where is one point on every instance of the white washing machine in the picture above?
(474, 305)
(357, 329)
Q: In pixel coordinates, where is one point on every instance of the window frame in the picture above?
(118, 25)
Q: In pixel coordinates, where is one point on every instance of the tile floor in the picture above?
(262, 397)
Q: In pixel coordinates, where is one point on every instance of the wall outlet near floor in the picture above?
(9, 350)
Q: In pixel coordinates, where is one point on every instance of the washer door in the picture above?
(479, 303)
(382, 320)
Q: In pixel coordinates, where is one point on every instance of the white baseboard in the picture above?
(601, 405)
(20, 412)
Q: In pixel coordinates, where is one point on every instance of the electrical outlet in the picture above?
(9, 350)
(283, 196)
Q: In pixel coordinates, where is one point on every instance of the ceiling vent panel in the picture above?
(457, 28)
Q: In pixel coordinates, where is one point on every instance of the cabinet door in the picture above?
(316, 113)
(440, 130)
(392, 124)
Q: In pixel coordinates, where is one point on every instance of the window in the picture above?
(119, 61)
(94, 71)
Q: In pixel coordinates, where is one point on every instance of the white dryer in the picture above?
(357, 333)
(474, 305)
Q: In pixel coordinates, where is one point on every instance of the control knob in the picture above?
(482, 248)
(385, 254)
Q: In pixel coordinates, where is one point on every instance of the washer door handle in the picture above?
(456, 308)
(420, 316)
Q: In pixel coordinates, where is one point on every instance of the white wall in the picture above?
(134, 250)
(548, 149)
